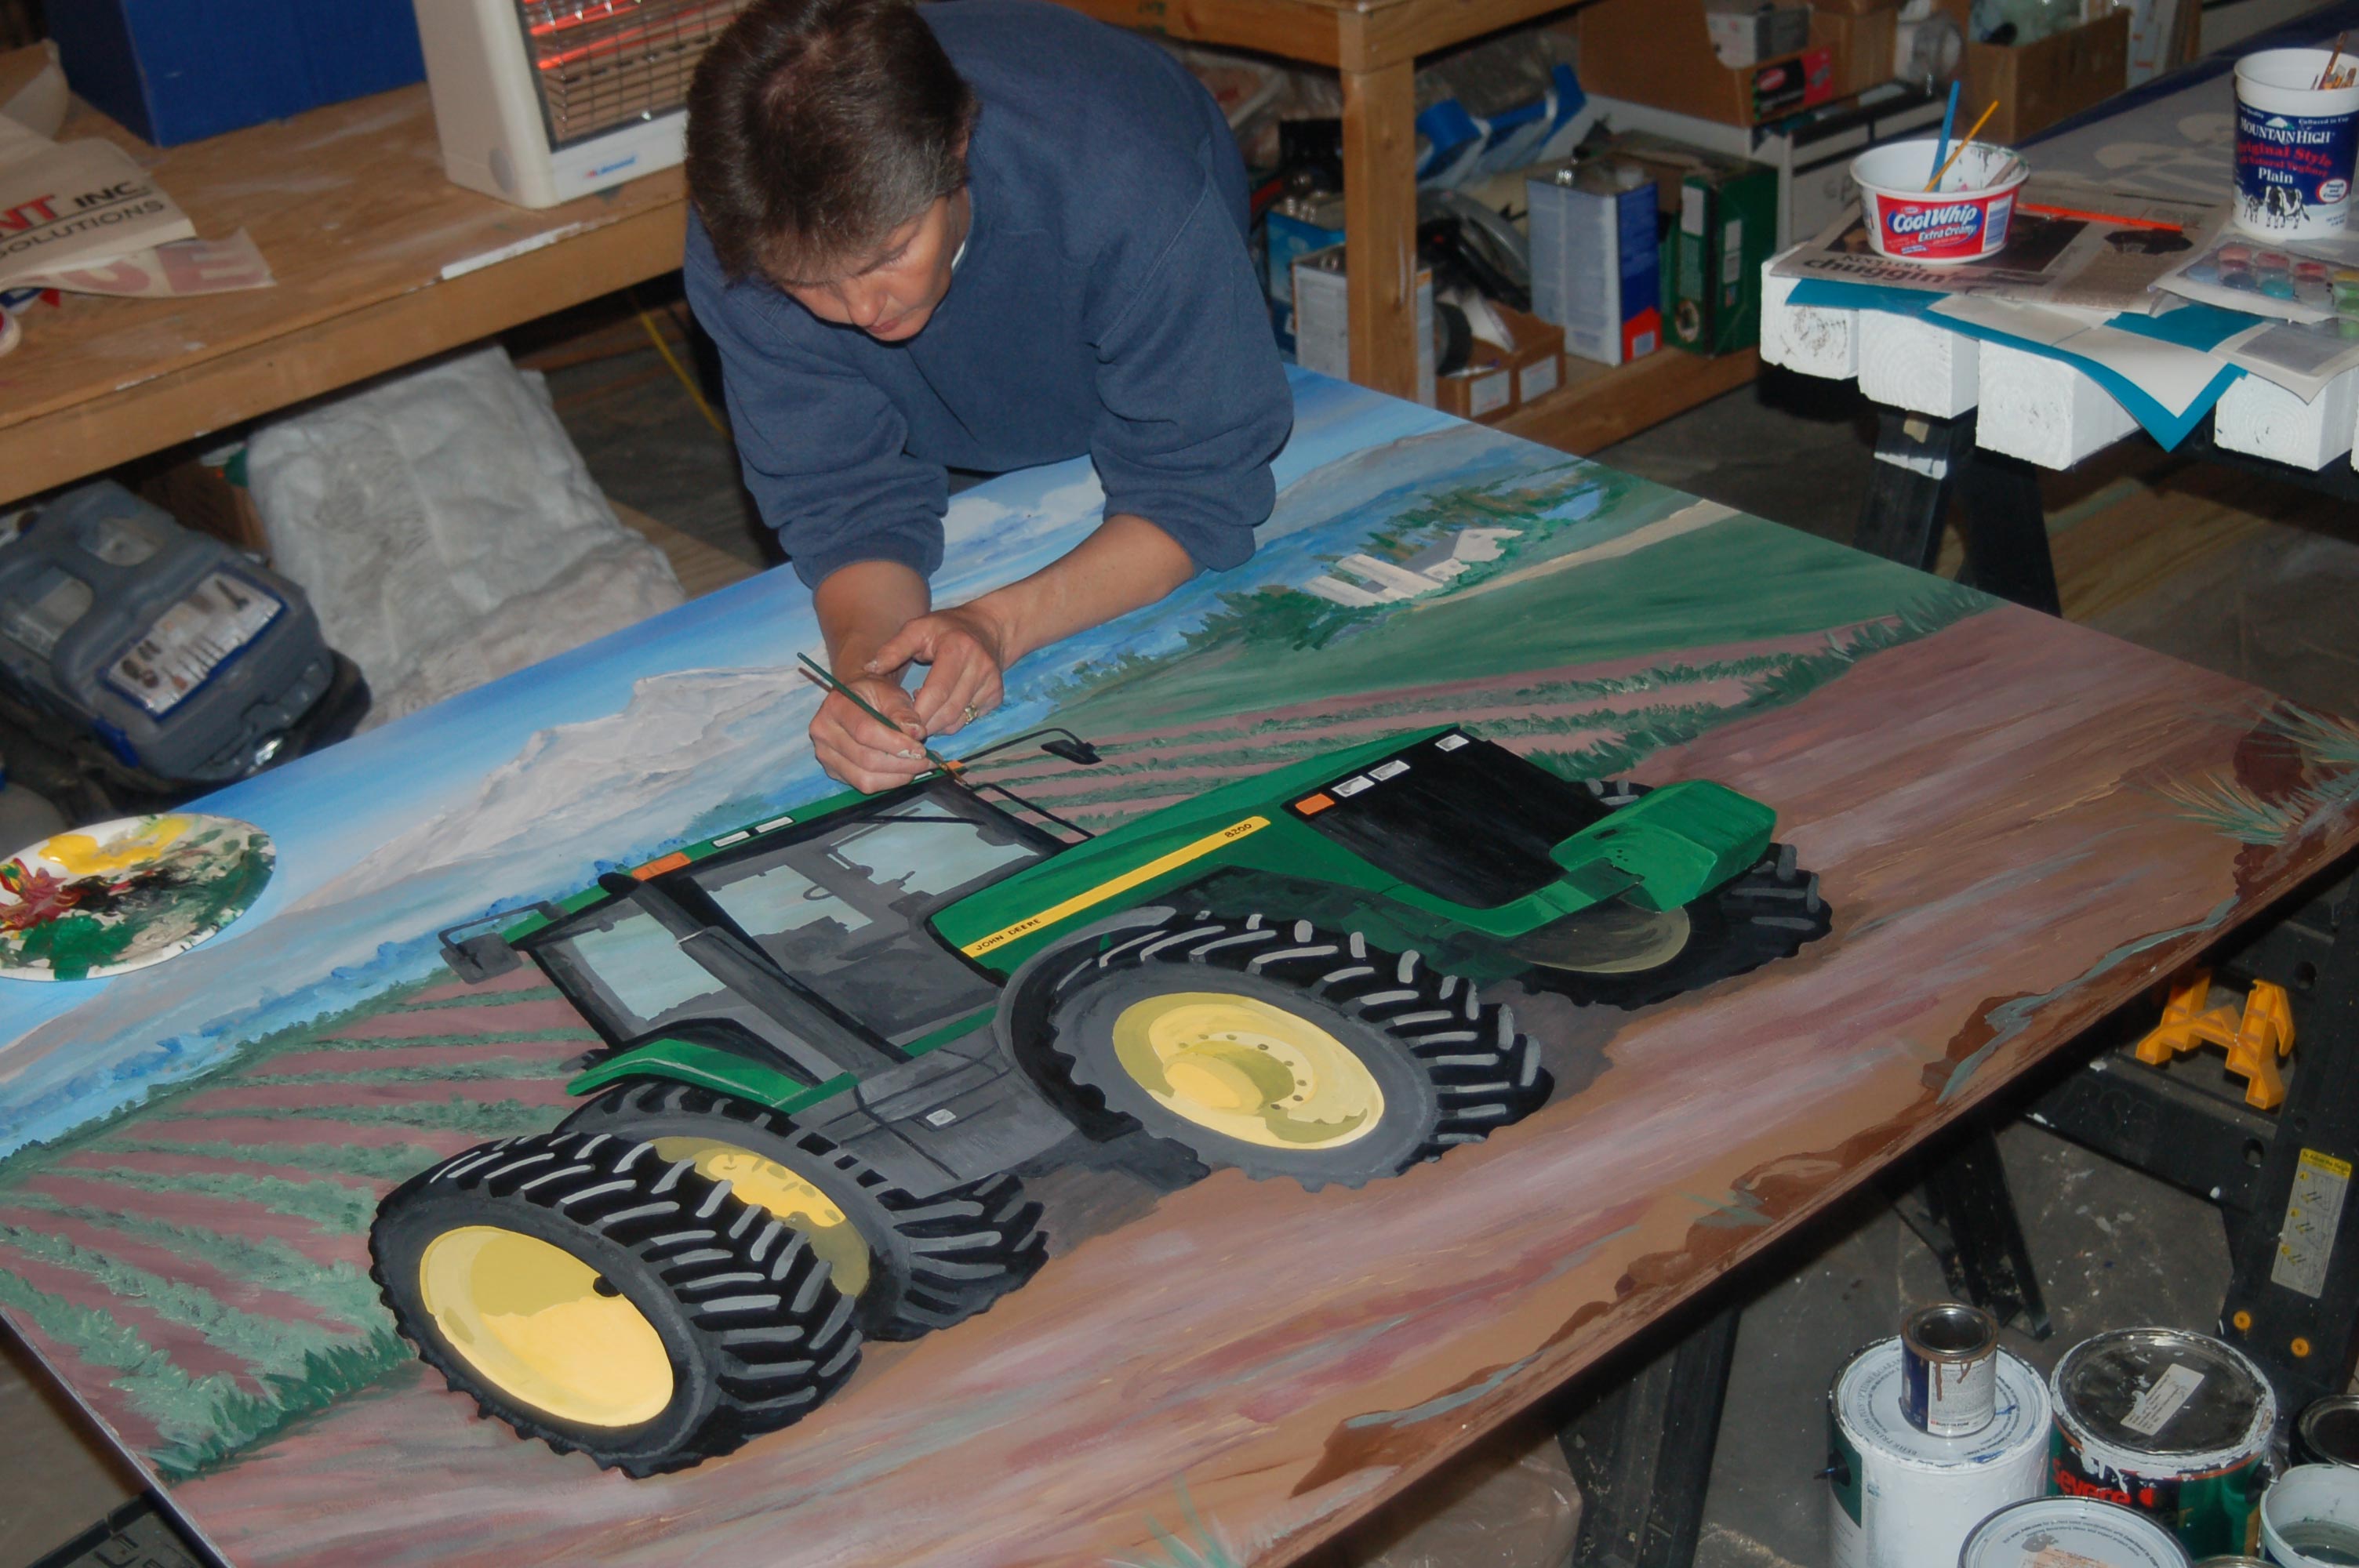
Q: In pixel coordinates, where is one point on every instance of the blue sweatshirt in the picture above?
(1104, 304)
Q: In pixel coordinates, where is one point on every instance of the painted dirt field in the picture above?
(1287, 1356)
(2019, 825)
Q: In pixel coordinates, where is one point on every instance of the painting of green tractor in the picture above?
(834, 1038)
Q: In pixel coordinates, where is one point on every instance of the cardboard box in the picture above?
(1322, 336)
(2037, 84)
(1746, 32)
(1724, 214)
(175, 72)
(1649, 52)
(1500, 380)
(210, 497)
(1811, 152)
(1596, 262)
(1863, 46)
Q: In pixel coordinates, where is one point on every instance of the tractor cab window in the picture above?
(632, 970)
(844, 913)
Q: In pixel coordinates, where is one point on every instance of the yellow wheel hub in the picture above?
(1248, 1069)
(542, 1327)
(788, 1198)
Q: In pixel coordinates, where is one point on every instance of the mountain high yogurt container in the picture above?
(2295, 143)
(1964, 221)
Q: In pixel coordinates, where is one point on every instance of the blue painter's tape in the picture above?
(2168, 427)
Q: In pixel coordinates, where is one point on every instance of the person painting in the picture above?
(980, 235)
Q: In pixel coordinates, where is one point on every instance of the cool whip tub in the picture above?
(2294, 144)
(1964, 221)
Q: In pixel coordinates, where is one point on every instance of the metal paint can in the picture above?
(1949, 1368)
(2071, 1532)
(2328, 1431)
(2170, 1423)
(2311, 1518)
(1902, 1498)
(2233, 1563)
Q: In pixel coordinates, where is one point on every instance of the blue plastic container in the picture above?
(175, 71)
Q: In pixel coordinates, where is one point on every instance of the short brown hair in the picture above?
(817, 127)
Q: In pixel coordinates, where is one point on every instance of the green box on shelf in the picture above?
(1723, 226)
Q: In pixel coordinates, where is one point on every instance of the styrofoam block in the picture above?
(2263, 418)
(2043, 410)
(1905, 363)
(1806, 340)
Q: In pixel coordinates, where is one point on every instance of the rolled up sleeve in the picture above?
(1196, 399)
(821, 448)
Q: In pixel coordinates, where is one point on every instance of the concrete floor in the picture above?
(2240, 574)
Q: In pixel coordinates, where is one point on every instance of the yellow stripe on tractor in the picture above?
(1115, 887)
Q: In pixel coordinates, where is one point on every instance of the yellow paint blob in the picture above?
(83, 856)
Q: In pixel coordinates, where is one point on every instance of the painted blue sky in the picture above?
(493, 795)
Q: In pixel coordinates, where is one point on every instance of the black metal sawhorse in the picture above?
(1642, 1451)
(1923, 464)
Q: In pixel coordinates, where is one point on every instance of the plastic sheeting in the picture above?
(446, 531)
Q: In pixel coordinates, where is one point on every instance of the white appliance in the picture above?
(538, 101)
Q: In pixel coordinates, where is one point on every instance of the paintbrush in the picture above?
(2112, 220)
(819, 673)
(2326, 76)
(1935, 183)
(1949, 123)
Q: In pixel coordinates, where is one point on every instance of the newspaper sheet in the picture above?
(2057, 251)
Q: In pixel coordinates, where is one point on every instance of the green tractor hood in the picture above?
(1670, 847)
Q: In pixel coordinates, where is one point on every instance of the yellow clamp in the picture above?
(2254, 1036)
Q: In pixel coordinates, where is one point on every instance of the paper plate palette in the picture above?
(124, 894)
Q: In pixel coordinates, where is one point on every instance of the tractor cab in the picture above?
(809, 940)
(797, 946)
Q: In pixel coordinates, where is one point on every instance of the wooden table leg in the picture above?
(1380, 224)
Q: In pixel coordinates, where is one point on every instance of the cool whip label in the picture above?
(1947, 228)
(2287, 165)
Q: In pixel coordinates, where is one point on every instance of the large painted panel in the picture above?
(2016, 823)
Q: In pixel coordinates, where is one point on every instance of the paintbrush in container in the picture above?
(1935, 183)
(1949, 123)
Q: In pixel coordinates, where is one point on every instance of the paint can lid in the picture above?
(1866, 1400)
(2163, 1391)
(2328, 1432)
(2073, 1531)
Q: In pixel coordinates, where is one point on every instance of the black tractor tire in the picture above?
(755, 1338)
(1450, 1067)
(1764, 914)
(933, 1261)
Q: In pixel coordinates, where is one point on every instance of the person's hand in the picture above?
(964, 648)
(865, 754)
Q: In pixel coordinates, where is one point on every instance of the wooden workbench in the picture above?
(2019, 826)
(380, 262)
